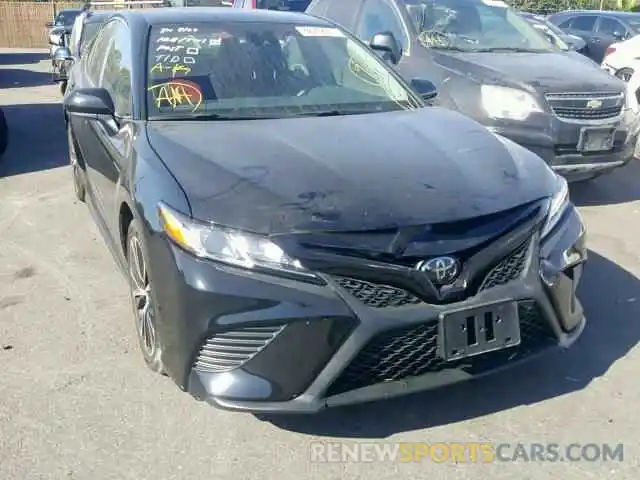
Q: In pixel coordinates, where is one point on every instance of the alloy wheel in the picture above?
(142, 299)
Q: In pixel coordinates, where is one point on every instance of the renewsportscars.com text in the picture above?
(465, 452)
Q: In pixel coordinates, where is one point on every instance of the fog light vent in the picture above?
(231, 349)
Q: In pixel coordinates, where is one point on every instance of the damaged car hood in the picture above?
(347, 173)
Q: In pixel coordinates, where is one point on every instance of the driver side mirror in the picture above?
(425, 88)
(63, 54)
(92, 103)
(386, 43)
(618, 35)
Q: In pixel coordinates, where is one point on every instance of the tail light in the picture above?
(609, 50)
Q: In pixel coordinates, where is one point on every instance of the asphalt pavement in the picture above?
(76, 401)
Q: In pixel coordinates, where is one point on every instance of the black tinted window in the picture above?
(95, 62)
(284, 5)
(584, 23)
(609, 26)
(66, 18)
(117, 70)
(379, 16)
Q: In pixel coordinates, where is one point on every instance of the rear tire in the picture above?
(142, 299)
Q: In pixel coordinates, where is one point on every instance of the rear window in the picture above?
(284, 5)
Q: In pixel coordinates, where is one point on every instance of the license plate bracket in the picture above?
(469, 332)
(596, 139)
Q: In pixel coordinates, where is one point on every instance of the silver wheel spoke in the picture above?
(141, 295)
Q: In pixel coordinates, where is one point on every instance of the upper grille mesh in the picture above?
(508, 269)
(225, 351)
(386, 296)
(377, 296)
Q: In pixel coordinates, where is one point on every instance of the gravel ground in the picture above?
(76, 401)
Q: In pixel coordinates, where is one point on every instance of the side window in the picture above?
(609, 26)
(584, 23)
(117, 70)
(378, 16)
(95, 61)
(566, 24)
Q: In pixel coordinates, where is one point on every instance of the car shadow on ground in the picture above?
(17, 78)
(620, 186)
(613, 329)
(22, 58)
(37, 139)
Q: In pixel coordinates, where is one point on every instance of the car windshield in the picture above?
(544, 28)
(474, 25)
(254, 70)
(66, 18)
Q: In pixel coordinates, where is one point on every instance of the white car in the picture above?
(621, 58)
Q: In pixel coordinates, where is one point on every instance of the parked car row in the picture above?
(362, 201)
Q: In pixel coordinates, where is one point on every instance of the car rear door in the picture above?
(584, 26)
(607, 29)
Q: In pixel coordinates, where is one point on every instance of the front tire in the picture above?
(142, 299)
(625, 74)
(79, 175)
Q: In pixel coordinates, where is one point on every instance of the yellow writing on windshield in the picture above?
(177, 93)
(173, 69)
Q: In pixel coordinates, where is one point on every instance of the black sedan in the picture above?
(299, 228)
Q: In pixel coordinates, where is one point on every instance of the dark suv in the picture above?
(489, 63)
(599, 29)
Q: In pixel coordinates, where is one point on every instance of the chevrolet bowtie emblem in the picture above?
(594, 103)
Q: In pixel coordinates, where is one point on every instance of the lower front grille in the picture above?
(231, 349)
(413, 351)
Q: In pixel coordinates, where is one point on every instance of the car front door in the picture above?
(608, 30)
(114, 141)
(88, 76)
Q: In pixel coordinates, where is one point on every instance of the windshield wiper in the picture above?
(451, 48)
(508, 49)
(197, 117)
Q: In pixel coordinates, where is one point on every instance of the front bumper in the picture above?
(291, 346)
(556, 142)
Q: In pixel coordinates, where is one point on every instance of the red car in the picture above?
(286, 5)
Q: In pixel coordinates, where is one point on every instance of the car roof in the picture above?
(163, 16)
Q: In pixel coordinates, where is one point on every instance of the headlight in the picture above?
(227, 245)
(557, 205)
(507, 103)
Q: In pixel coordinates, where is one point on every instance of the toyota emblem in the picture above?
(440, 270)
